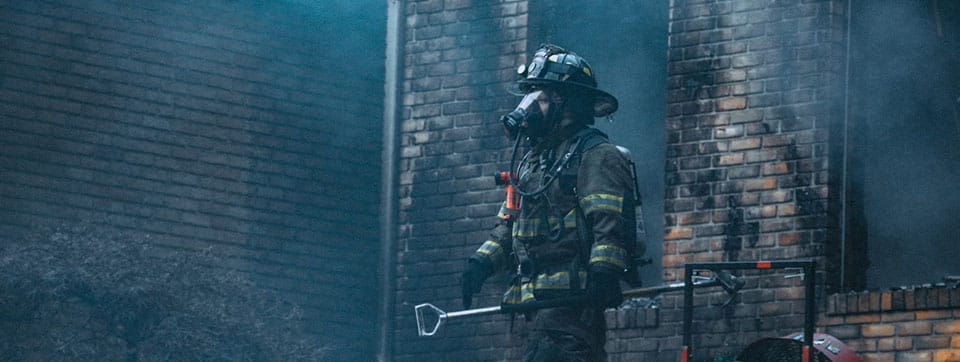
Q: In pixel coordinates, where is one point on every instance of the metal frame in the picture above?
(810, 309)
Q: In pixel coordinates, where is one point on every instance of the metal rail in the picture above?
(810, 312)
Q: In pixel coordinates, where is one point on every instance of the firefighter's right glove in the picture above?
(603, 286)
(475, 273)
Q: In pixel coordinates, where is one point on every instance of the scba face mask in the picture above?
(526, 118)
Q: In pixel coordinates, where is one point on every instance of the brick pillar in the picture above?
(754, 93)
(459, 57)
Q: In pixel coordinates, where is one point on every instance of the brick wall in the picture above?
(242, 125)
(916, 324)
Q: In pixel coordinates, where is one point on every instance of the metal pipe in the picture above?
(843, 170)
(389, 178)
(810, 307)
(687, 310)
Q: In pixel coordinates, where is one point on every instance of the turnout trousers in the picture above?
(567, 335)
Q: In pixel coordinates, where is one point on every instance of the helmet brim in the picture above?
(604, 104)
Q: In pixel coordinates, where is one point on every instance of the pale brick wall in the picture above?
(246, 126)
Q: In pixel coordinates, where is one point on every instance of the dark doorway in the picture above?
(903, 203)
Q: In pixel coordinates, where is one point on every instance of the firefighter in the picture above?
(566, 237)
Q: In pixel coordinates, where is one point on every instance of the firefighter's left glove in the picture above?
(603, 287)
(475, 273)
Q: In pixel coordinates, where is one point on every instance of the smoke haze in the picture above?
(904, 136)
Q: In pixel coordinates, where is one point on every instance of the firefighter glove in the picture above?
(603, 286)
(475, 273)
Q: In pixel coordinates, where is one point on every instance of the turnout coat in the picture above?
(575, 225)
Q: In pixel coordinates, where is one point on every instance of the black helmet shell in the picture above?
(553, 66)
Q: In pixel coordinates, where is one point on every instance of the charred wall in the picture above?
(793, 132)
(753, 90)
(250, 127)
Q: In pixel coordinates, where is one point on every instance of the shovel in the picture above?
(428, 314)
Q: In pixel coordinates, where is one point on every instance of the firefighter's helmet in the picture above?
(553, 66)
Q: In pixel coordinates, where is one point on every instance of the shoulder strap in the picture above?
(591, 137)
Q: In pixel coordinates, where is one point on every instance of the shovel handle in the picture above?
(426, 310)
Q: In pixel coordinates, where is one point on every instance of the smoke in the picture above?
(353, 31)
(903, 86)
(629, 62)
